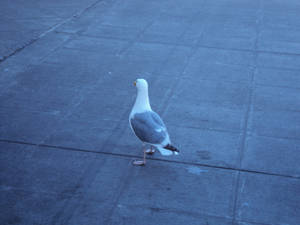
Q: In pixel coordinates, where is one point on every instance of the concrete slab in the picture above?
(225, 56)
(113, 32)
(262, 154)
(207, 104)
(74, 190)
(282, 124)
(27, 126)
(280, 39)
(223, 75)
(276, 98)
(53, 184)
(268, 199)
(277, 77)
(143, 193)
(282, 61)
(165, 29)
(177, 62)
(23, 24)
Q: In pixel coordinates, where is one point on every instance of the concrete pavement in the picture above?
(224, 75)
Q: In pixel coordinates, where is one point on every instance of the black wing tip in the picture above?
(171, 147)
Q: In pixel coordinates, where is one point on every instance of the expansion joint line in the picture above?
(32, 41)
(259, 18)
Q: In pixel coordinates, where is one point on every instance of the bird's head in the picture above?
(141, 84)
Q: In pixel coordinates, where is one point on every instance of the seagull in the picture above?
(148, 126)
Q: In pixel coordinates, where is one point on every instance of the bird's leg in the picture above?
(144, 156)
(150, 151)
(140, 162)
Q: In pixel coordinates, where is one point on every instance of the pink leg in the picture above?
(140, 162)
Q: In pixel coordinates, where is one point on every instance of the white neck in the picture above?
(142, 101)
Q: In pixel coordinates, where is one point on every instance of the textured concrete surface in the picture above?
(223, 74)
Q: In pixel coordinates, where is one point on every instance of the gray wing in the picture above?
(149, 127)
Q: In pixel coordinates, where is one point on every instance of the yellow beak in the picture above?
(134, 83)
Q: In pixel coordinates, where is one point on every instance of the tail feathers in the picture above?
(168, 150)
(171, 147)
(164, 151)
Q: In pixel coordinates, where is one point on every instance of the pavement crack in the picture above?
(64, 148)
(259, 18)
(76, 15)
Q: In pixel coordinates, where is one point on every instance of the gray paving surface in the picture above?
(223, 74)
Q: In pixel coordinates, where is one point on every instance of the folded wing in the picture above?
(149, 127)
